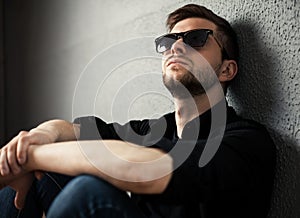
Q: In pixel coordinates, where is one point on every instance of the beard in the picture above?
(187, 85)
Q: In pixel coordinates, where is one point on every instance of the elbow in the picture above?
(150, 178)
(157, 186)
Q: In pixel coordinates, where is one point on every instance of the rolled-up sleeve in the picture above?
(94, 128)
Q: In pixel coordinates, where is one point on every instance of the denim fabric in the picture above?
(38, 199)
(63, 196)
(89, 196)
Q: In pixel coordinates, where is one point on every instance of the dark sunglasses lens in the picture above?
(196, 38)
(164, 43)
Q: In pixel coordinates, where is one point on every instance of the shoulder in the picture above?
(249, 137)
(238, 125)
(248, 128)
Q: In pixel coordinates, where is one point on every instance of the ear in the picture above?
(228, 70)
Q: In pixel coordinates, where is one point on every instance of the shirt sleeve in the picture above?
(94, 128)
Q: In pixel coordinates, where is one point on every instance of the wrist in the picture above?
(30, 164)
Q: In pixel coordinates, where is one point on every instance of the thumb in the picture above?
(21, 194)
(20, 198)
(39, 175)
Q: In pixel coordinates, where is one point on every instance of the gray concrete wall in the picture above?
(70, 58)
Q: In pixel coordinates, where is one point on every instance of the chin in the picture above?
(176, 73)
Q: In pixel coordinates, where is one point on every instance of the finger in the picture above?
(4, 168)
(22, 146)
(3, 156)
(12, 160)
(13, 141)
(20, 198)
(39, 175)
(23, 143)
(21, 193)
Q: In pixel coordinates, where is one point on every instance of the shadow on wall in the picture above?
(254, 94)
(252, 91)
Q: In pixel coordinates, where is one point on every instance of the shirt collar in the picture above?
(200, 126)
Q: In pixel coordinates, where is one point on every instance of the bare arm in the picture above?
(14, 153)
(127, 166)
(60, 130)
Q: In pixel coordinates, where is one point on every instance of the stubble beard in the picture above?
(187, 85)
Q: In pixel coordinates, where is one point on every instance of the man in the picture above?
(184, 164)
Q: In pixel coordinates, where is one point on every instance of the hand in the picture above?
(21, 184)
(14, 154)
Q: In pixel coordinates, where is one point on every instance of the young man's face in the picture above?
(187, 66)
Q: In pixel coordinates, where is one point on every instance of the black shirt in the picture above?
(236, 182)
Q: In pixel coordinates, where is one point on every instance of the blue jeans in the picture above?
(39, 197)
(64, 196)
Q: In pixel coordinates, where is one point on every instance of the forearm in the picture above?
(132, 169)
(60, 130)
(14, 153)
(56, 157)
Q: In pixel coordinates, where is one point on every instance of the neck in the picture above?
(189, 108)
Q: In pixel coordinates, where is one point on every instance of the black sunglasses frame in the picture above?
(184, 36)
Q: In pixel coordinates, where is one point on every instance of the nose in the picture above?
(178, 47)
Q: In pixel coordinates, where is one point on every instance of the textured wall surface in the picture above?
(268, 89)
(97, 57)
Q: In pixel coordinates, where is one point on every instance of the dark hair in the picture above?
(225, 33)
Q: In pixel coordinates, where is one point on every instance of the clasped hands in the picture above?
(13, 158)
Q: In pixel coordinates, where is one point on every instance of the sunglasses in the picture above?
(194, 38)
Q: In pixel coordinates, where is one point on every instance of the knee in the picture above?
(81, 195)
(88, 185)
(7, 208)
(81, 187)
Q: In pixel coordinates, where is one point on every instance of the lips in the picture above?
(176, 61)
